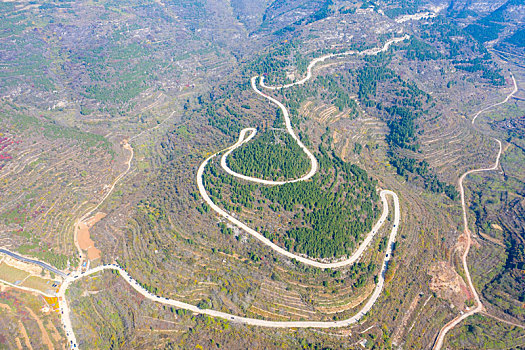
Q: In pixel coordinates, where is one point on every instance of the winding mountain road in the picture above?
(66, 319)
(243, 139)
(245, 136)
(369, 52)
(466, 231)
(509, 96)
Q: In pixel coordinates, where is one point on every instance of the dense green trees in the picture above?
(493, 75)
(338, 207)
(518, 38)
(405, 165)
(273, 156)
(469, 55)
(368, 77)
(320, 14)
(420, 50)
(402, 130)
(274, 64)
(225, 122)
(335, 209)
(326, 88)
(401, 105)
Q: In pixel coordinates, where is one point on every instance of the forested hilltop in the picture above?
(108, 109)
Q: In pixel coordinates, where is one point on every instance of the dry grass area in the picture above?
(42, 284)
(53, 177)
(30, 279)
(367, 131)
(451, 146)
(322, 113)
(149, 323)
(27, 323)
(12, 274)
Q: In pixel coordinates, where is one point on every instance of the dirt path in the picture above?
(84, 240)
(514, 324)
(466, 231)
(64, 308)
(491, 239)
(83, 222)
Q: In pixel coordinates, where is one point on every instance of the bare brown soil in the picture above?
(448, 284)
(84, 240)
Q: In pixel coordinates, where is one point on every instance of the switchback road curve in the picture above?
(68, 280)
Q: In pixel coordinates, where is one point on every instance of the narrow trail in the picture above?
(510, 323)
(499, 103)
(71, 278)
(92, 210)
(468, 234)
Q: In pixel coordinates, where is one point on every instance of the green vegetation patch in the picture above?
(331, 212)
(281, 58)
(517, 38)
(420, 50)
(478, 332)
(59, 261)
(484, 32)
(401, 103)
(51, 130)
(273, 156)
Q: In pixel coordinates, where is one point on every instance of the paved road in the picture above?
(65, 312)
(305, 260)
(243, 139)
(64, 307)
(479, 306)
(66, 321)
(33, 261)
(248, 133)
(369, 52)
(314, 167)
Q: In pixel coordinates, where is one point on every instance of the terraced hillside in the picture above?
(233, 273)
(51, 175)
(116, 129)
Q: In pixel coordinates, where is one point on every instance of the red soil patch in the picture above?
(84, 241)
